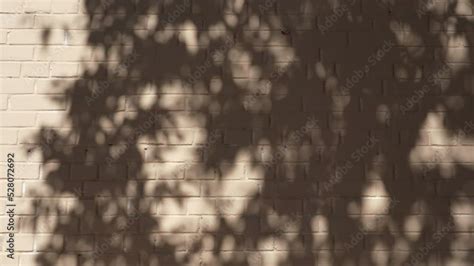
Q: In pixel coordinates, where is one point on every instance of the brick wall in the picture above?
(264, 132)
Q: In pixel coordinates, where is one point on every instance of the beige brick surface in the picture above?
(266, 132)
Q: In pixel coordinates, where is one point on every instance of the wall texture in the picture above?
(272, 132)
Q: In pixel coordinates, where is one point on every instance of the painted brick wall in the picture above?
(267, 132)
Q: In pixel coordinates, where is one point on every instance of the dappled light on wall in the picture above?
(309, 132)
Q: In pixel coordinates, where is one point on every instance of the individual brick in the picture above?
(37, 102)
(15, 119)
(16, 53)
(10, 69)
(16, 21)
(37, 6)
(16, 85)
(64, 6)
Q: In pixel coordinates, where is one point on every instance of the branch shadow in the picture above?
(184, 104)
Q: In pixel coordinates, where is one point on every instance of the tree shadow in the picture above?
(259, 133)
